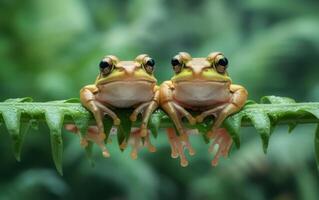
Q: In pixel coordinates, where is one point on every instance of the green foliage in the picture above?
(317, 145)
(56, 113)
(265, 117)
(49, 50)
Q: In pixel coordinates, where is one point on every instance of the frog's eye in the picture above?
(106, 66)
(221, 64)
(177, 65)
(149, 66)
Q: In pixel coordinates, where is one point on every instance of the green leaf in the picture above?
(81, 122)
(204, 127)
(72, 100)
(54, 119)
(233, 124)
(19, 100)
(11, 118)
(124, 129)
(154, 123)
(24, 128)
(108, 124)
(89, 153)
(317, 146)
(250, 102)
(314, 112)
(17, 113)
(277, 100)
(292, 126)
(34, 124)
(262, 124)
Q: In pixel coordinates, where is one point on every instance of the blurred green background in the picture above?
(50, 49)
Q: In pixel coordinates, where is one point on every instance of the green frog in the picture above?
(121, 84)
(202, 85)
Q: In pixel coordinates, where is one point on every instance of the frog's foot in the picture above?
(92, 135)
(224, 142)
(184, 113)
(136, 142)
(200, 118)
(72, 128)
(139, 110)
(178, 144)
(99, 139)
(123, 145)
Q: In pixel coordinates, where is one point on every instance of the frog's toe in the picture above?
(184, 162)
(133, 117)
(174, 151)
(199, 119)
(134, 154)
(101, 137)
(192, 121)
(72, 128)
(116, 121)
(151, 148)
(106, 153)
(215, 160)
(191, 151)
(123, 145)
(143, 132)
(84, 142)
(174, 154)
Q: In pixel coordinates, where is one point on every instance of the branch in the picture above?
(20, 114)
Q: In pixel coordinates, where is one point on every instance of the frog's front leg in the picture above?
(146, 109)
(87, 97)
(176, 112)
(220, 135)
(238, 100)
(172, 108)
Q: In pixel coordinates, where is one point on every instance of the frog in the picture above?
(121, 84)
(200, 85)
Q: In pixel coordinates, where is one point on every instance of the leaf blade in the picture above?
(54, 119)
(316, 141)
(277, 100)
(262, 124)
(11, 117)
(233, 124)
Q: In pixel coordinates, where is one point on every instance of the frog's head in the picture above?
(140, 69)
(212, 68)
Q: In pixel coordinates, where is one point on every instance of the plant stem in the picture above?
(34, 111)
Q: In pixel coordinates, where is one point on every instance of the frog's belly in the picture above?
(201, 94)
(124, 94)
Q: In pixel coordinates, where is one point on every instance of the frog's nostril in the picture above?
(197, 71)
(129, 70)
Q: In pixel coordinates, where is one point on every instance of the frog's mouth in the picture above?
(132, 81)
(201, 81)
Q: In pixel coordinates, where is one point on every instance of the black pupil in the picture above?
(104, 64)
(151, 62)
(223, 62)
(175, 62)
